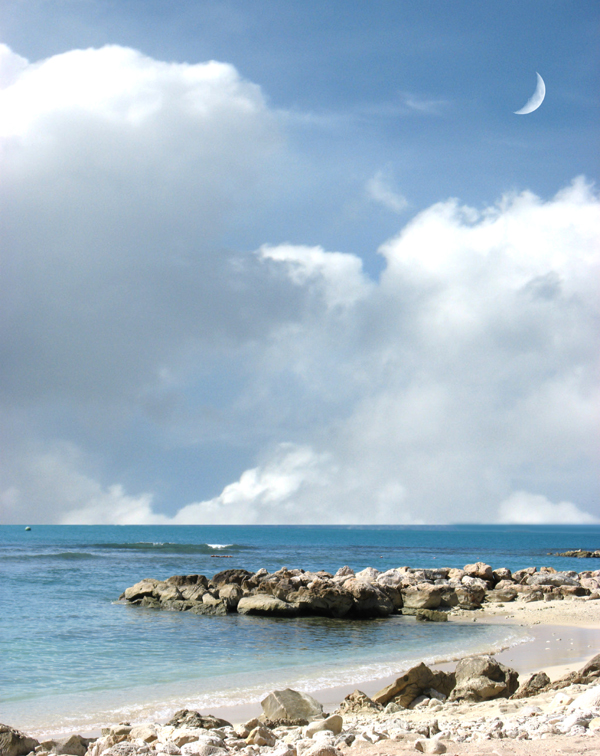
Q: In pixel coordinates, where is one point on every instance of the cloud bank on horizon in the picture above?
(458, 385)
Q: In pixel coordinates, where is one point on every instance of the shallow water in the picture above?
(72, 658)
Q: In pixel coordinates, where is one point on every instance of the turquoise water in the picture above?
(72, 658)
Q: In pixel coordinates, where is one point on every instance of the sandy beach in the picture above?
(562, 636)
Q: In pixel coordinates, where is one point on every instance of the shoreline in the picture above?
(556, 647)
(563, 635)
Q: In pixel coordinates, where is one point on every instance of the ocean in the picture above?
(73, 659)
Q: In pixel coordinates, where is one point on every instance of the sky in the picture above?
(298, 262)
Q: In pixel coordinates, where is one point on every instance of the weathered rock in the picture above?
(357, 702)
(533, 685)
(261, 736)
(482, 678)
(430, 745)
(199, 748)
(263, 604)
(323, 600)
(231, 594)
(405, 689)
(333, 724)
(140, 590)
(188, 580)
(557, 579)
(502, 573)
(501, 595)
(145, 732)
(290, 705)
(192, 592)
(230, 577)
(193, 719)
(422, 596)
(74, 745)
(480, 570)
(211, 610)
(430, 615)
(321, 750)
(520, 576)
(368, 575)
(15, 743)
(369, 599)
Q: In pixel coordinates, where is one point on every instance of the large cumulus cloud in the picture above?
(460, 386)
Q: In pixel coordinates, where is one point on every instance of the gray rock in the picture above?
(332, 724)
(194, 720)
(557, 579)
(369, 599)
(533, 685)
(265, 605)
(75, 745)
(422, 596)
(357, 702)
(323, 599)
(501, 595)
(15, 743)
(290, 705)
(412, 684)
(210, 610)
(482, 678)
(431, 615)
(432, 745)
(480, 570)
(145, 732)
(229, 577)
(469, 596)
(261, 736)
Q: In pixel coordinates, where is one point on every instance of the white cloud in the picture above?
(523, 508)
(466, 372)
(120, 174)
(380, 189)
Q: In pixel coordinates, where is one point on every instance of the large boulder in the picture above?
(533, 685)
(74, 745)
(482, 678)
(140, 590)
(231, 594)
(469, 596)
(15, 743)
(501, 595)
(290, 704)
(323, 599)
(217, 609)
(369, 599)
(422, 596)
(556, 579)
(480, 570)
(228, 577)
(265, 605)
(358, 702)
(405, 689)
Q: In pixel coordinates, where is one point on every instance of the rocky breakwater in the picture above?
(429, 594)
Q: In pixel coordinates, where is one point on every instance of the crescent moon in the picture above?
(536, 100)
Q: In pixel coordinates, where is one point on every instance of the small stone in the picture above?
(261, 736)
(333, 724)
(430, 745)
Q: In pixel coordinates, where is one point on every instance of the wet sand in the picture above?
(563, 636)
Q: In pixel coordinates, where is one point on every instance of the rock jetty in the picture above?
(429, 594)
(422, 710)
(580, 554)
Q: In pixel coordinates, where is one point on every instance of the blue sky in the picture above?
(214, 309)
